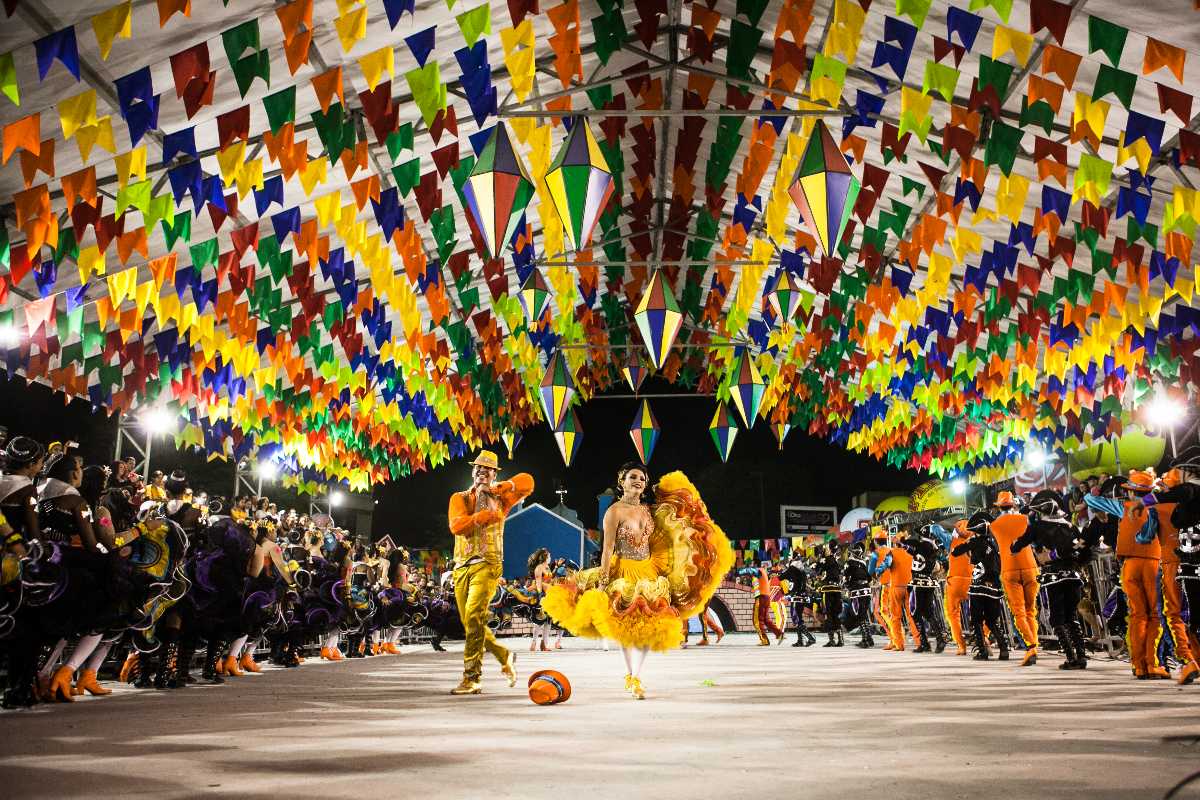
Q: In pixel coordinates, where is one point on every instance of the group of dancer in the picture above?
(96, 563)
(1023, 553)
(661, 560)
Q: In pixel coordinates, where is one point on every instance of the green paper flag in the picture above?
(400, 139)
(280, 108)
(204, 253)
(475, 23)
(1002, 146)
(1111, 79)
(1107, 37)
(743, 44)
(916, 10)
(610, 34)
(179, 228)
(428, 91)
(239, 39)
(909, 185)
(255, 65)
(996, 74)
(407, 176)
(940, 78)
(136, 195)
(8, 78)
(1040, 113)
(752, 9)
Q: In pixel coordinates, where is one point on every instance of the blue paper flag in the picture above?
(964, 23)
(183, 141)
(272, 192)
(396, 8)
(421, 43)
(58, 45)
(134, 87)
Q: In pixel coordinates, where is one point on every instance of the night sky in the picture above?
(743, 495)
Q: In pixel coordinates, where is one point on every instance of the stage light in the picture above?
(958, 486)
(1035, 459)
(268, 470)
(9, 336)
(157, 420)
(335, 499)
(1164, 411)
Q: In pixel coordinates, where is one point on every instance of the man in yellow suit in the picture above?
(477, 522)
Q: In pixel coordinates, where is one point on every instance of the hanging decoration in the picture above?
(747, 389)
(644, 432)
(558, 390)
(580, 184)
(569, 437)
(511, 439)
(658, 318)
(724, 430)
(780, 430)
(785, 297)
(824, 190)
(635, 372)
(534, 296)
(497, 191)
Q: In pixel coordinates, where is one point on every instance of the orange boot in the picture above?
(87, 682)
(390, 647)
(60, 688)
(219, 668)
(248, 663)
(325, 654)
(232, 670)
(131, 663)
(335, 654)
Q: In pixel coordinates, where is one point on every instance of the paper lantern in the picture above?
(747, 390)
(497, 191)
(658, 318)
(569, 436)
(534, 296)
(823, 189)
(644, 432)
(781, 430)
(635, 373)
(558, 390)
(723, 430)
(511, 439)
(785, 297)
(580, 183)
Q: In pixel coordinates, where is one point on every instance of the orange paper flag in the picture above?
(32, 162)
(24, 134)
(1160, 54)
(326, 85)
(291, 15)
(169, 8)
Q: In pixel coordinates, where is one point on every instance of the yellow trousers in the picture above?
(474, 586)
(1021, 589)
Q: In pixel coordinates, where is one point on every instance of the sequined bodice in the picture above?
(633, 535)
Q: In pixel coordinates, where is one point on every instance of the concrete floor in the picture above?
(778, 722)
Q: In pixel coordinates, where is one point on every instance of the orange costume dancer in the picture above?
(958, 583)
(1140, 553)
(897, 565)
(1172, 594)
(1018, 573)
(764, 613)
(883, 611)
(477, 522)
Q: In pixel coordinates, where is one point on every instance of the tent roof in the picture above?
(944, 337)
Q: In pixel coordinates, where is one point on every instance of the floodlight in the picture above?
(268, 470)
(958, 486)
(1164, 411)
(157, 420)
(335, 499)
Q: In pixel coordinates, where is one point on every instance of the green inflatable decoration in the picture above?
(1136, 448)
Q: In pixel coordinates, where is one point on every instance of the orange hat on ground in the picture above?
(1005, 500)
(1141, 480)
(549, 687)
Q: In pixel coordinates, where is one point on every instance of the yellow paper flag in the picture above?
(111, 24)
(373, 65)
(77, 112)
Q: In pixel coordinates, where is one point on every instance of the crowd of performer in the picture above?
(1047, 552)
(179, 587)
(169, 582)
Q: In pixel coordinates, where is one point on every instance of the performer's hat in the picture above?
(22, 450)
(1172, 477)
(1141, 480)
(549, 687)
(1005, 500)
(486, 458)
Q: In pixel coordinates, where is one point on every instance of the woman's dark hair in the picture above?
(538, 556)
(63, 467)
(95, 481)
(626, 468)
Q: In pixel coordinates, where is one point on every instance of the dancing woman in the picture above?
(659, 565)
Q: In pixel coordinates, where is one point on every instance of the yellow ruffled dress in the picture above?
(646, 600)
